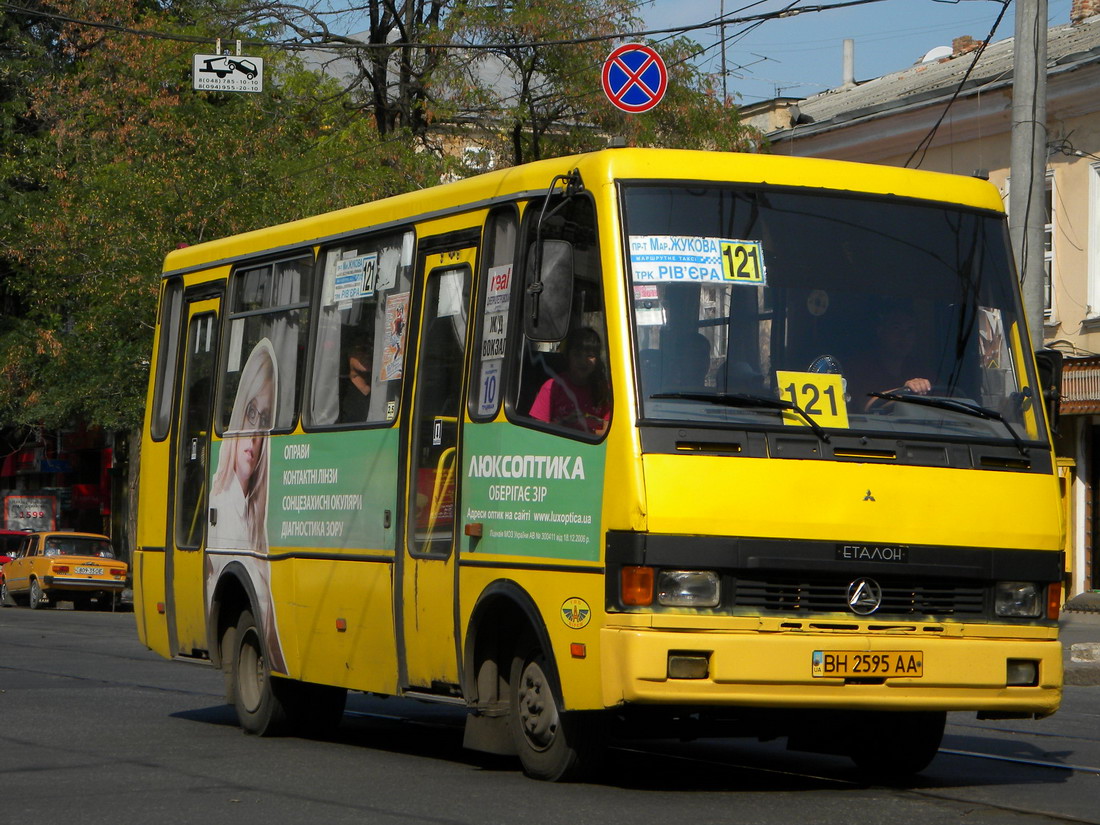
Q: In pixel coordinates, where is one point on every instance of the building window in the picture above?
(1050, 298)
(1048, 249)
(1093, 252)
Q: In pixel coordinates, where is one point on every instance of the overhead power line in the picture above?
(926, 141)
(340, 42)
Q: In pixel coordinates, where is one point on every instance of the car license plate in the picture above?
(89, 571)
(851, 664)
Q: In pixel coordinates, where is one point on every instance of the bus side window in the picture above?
(167, 358)
(497, 278)
(269, 303)
(359, 355)
(565, 386)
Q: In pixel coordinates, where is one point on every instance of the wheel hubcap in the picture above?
(250, 673)
(538, 713)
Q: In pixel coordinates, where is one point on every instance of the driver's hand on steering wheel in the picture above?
(919, 386)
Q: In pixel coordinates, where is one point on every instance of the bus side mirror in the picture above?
(1049, 362)
(548, 300)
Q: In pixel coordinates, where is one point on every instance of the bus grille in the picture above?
(910, 598)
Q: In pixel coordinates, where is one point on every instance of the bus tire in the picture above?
(552, 746)
(892, 746)
(251, 686)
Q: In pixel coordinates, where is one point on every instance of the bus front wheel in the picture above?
(552, 745)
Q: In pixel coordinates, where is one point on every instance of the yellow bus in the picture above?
(616, 445)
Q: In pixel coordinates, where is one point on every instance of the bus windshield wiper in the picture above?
(748, 401)
(955, 405)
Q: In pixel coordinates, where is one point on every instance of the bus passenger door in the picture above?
(427, 564)
(186, 608)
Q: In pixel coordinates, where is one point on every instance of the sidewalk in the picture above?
(1080, 634)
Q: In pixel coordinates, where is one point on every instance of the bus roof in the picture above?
(597, 169)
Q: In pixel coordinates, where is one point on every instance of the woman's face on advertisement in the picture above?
(257, 417)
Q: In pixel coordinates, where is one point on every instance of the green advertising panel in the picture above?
(534, 494)
(328, 490)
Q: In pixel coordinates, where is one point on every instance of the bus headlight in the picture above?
(1021, 600)
(688, 588)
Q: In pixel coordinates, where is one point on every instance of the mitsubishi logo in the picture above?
(864, 596)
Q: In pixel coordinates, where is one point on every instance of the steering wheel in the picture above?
(881, 405)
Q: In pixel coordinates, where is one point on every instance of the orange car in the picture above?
(54, 566)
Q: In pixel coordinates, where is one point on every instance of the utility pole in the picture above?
(1027, 193)
(722, 37)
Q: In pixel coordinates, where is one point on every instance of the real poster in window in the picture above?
(393, 348)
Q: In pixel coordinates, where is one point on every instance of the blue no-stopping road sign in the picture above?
(634, 78)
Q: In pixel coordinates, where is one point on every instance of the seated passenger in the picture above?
(355, 401)
(578, 397)
(687, 362)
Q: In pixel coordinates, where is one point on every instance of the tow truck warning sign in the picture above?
(227, 73)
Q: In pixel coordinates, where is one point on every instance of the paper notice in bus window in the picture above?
(694, 259)
(500, 284)
(450, 295)
(991, 334)
(355, 277)
(393, 347)
(648, 311)
(389, 261)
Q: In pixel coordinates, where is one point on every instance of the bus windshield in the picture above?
(879, 316)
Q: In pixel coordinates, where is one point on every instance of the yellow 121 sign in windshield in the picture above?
(820, 395)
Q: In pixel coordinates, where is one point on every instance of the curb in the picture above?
(1082, 666)
(1076, 673)
(1083, 603)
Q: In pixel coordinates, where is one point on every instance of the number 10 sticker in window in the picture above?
(494, 334)
(820, 395)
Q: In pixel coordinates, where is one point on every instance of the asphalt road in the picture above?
(96, 729)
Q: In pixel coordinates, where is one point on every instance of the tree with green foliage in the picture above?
(537, 85)
(129, 162)
(111, 158)
(510, 80)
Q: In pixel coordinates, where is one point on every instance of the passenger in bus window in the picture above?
(355, 401)
(577, 397)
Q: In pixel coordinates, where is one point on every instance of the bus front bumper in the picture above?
(778, 670)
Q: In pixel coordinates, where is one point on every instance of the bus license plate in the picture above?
(88, 571)
(849, 664)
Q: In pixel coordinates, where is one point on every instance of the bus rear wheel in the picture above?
(551, 744)
(892, 746)
(252, 692)
(268, 705)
